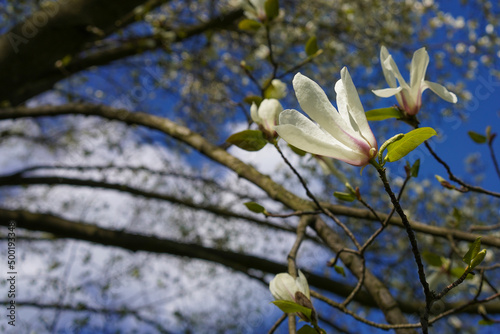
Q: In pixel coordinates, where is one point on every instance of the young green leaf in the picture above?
(415, 168)
(248, 140)
(312, 46)
(253, 99)
(297, 151)
(485, 322)
(408, 143)
(383, 113)
(344, 196)
(306, 329)
(440, 178)
(272, 8)
(478, 259)
(476, 137)
(459, 271)
(432, 259)
(291, 307)
(339, 270)
(255, 207)
(249, 25)
(472, 252)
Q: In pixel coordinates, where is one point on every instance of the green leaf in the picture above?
(297, 151)
(440, 178)
(248, 140)
(458, 272)
(383, 113)
(483, 322)
(339, 270)
(312, 46)
(415, 168)
(432, 259)
(272, 8)
(457, 215)
(253, 99)
(66, 60)
(306, 329)
(291, 307)
(248, 24)
(255, 207)
(478, 259)
(472, 252)
(476, 137)
(408, 143)
(344, 196)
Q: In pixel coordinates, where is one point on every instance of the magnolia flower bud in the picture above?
(285, 287)
(266, 115)
(276, 90)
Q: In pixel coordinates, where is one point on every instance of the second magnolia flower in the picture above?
(344, 134)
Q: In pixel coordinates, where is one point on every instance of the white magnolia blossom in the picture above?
(410, 96)
(284, 287)
(277, 90)
(254, 9)
(344, 135)
(266, 115)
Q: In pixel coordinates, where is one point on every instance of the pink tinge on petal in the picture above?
(361, 145)
(409, 106)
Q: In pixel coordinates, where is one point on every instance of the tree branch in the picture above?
(61, 228)
(64, 28)
(219, 155)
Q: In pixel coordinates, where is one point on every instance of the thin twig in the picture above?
(277, 324)
(493, 157)
(385, 223)
(357, 317)
(456, 179)
(295, 213)
(414, 247)
(271, 54)
(486, 268)
(452, 286)
(299, 65)
(484, 228)
(358, 286)
(459, 308)
(337, 256)
(313, 198)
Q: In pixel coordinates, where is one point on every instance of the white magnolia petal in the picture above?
(299, 131)
(269, 111)
(280, 89)
(315, 103)
(283, 287)
(342, 103)
(258, 4)
(441, 91)
(254, 113)
(348, 91)
(387, 92)
(388, 73)
(419, 64)
(390, 65)
(302, 284)
(310, 142)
